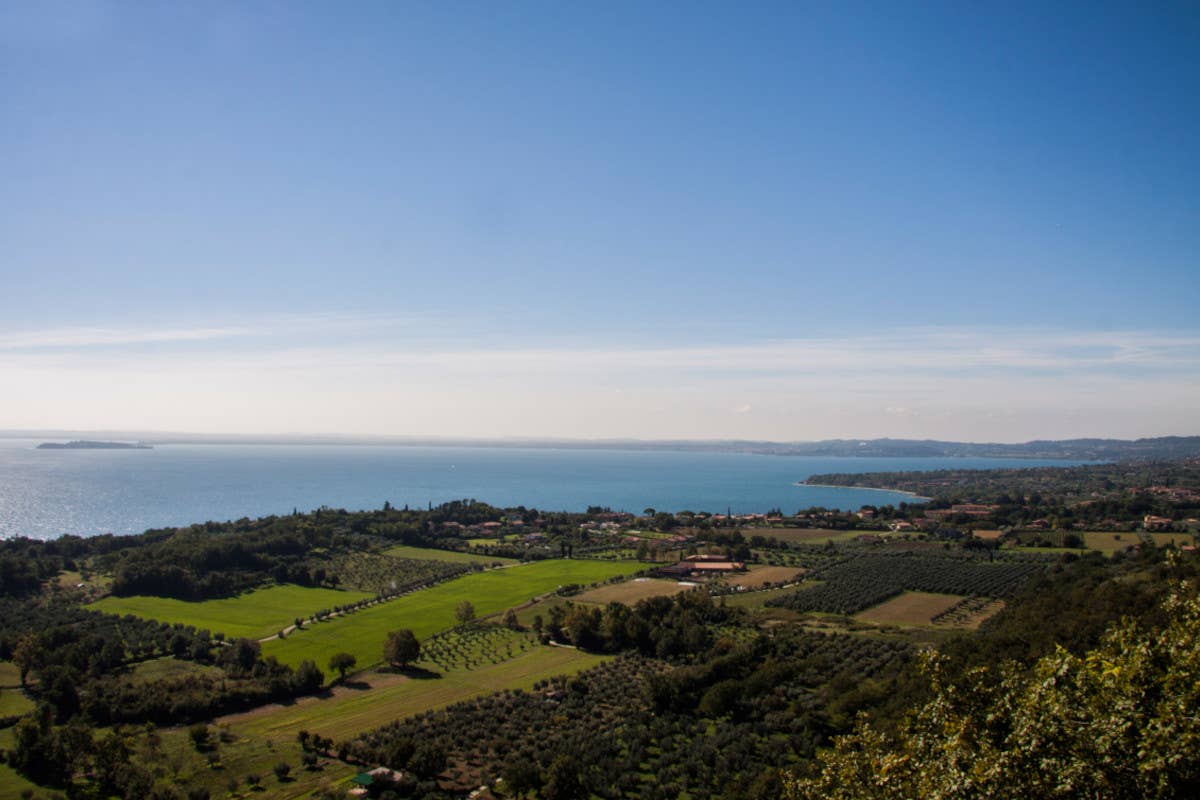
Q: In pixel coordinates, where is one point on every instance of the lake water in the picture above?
(45, 493)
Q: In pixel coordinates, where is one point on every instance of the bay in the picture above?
(46, 493)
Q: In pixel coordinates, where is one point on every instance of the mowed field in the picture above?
(755, 577)
(629, 592)
(1171, 539)
(428, 611)
(376, 698)
(1107, 542)
(910, 608)
(449, 556)
(253, 615)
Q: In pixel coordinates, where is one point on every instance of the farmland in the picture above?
(757, 576)
(969, 614)
(804, 535)
(858, 583)
(631, 591)
(426, 612)
(254, 614)
(449, 556)
(1107, 542)
(910, 608)
(384, 574)
(377, 698)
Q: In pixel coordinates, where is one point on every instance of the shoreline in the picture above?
(864, 488)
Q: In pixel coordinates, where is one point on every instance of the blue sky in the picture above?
(785, 221)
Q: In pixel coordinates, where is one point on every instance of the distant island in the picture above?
(89, 445)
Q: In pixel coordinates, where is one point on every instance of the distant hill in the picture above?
(1161, 448)
(1153, 449)
(89, 445)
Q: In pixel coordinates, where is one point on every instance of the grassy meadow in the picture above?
(631, 591)
(376, 698)
(426, 612)
(253, 615)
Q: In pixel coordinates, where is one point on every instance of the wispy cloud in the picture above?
(285, 329)
(85, 337)
(393, 374)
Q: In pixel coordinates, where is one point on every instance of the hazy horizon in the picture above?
(783, 223)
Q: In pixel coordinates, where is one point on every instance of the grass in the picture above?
(1107, 542)
(11, 782)
(344, 713)
(426, 612)
(10, 675)
(159, 668)
(972, 613)
(756, 576)
(253, 615)
(758, 599)
(449, 556)
(1168, 539)
(910, 608)
(14, 702)
(629, 592)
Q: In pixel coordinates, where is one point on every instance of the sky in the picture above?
(789, 221)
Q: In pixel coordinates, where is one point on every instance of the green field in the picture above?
(348, 712)
(13, 702)
(254, 615)
(11, 782)
(10, 675)
(1107, 542)
(431, 610)
(450, 556)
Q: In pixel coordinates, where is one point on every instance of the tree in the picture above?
(282, 770)
(1117, 722)
(511, 621)
(521, 776)
(428, 760)
(341, 662)
(562, 780)
(27, 654)
(309, 677)
(199, 735)
(401, 648)
(465, 612)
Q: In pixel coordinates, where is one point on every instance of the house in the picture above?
(1153, 523)
(381, 777)
(972, 509)
(699, 565)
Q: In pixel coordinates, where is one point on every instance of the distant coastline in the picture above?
(913, 495)
(1159, 448)
(84, 444)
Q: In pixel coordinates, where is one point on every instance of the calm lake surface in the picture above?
(45, 493)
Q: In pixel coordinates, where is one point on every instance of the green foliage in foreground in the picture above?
(1118, 722)
(426, 612)
(253, 615)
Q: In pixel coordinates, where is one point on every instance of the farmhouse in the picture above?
(1153, 523)
(365, 783)
(700, 565)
